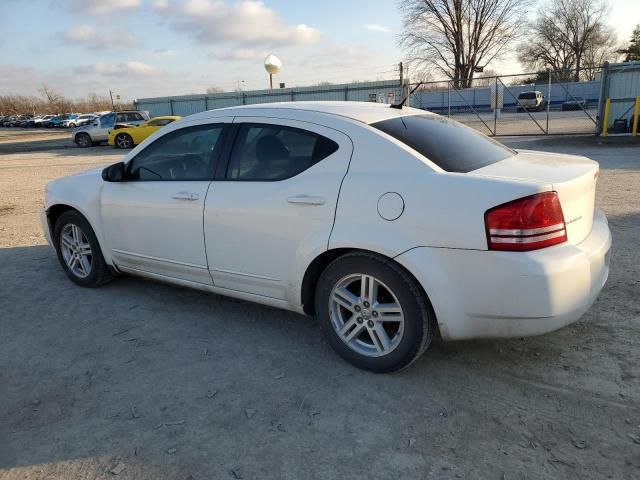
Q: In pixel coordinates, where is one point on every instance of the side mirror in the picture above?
(114, 173)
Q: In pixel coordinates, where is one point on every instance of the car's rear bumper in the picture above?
(478, 294)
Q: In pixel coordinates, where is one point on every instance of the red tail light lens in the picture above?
(528, 223)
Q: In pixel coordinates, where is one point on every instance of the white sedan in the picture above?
(387, 224)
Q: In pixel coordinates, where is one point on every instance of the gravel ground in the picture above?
(142, 380)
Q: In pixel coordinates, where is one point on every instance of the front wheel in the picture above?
(124, 140)
(79, 251)
(373, 313)
(83, 140)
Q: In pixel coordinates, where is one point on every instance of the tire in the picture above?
(83, 140)
(124, 141)
(72, 235)
(72, 125)
(379, 341)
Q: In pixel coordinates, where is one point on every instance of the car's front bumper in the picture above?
(478, 294)
(46, 228)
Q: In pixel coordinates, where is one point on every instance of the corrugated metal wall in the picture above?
(621, 83)
(184, 105)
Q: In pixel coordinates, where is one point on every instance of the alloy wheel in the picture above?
(123, 141)
(76, 250)
(366, 315)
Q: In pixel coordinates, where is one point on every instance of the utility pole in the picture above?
(400, 66)
(113, 108)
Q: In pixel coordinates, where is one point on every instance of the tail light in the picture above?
(528, 223)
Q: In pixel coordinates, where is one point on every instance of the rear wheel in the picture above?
(83, 140)
(79, 252)
(124, 140)
(373, 312)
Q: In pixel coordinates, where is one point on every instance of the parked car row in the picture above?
(67, 120)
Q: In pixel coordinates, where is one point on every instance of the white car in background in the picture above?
(80, 120)
(38, 121)
(387, 224)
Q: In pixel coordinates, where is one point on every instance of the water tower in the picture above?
(272, 65)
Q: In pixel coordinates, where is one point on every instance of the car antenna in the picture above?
(404, 100)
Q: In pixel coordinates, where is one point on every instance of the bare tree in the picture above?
(603, 48)
(569, 35)
(457, 38)
(215, 90)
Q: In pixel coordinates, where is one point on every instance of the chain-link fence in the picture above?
(524, 104)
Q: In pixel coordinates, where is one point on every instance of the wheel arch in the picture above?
(56, 210)
(322, 261)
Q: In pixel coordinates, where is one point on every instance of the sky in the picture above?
(148, 48)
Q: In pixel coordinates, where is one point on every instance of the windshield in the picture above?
(449, 144)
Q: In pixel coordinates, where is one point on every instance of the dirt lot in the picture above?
(162, 382)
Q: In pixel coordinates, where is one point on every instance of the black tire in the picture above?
(124, 141)
(83, 140)
(99, 273)
(419, 318)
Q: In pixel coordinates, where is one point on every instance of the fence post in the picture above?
(171, 106)
(605, 125)
(346, 93)
(495, 108)
(548, 100)
(448, 99)
(244, 98)
(206, 102)
(636, 113)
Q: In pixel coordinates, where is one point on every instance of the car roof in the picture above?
(366, 112)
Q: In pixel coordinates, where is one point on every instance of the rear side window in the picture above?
(449, 144)
(273, 152)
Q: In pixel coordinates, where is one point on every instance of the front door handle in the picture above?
(185, 196)
(306, 200)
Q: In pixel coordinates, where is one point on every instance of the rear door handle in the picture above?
(306, 200)
(185, 196)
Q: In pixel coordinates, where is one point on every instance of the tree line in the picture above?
(52, 102)
(567, 39)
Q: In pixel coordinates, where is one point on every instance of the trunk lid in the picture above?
(573, 177)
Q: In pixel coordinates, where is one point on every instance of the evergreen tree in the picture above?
(632, 52)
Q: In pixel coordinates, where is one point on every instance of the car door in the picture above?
(274, 203)
(153, 220)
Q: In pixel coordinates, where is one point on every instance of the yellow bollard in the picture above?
(605, 123)
(636, 114)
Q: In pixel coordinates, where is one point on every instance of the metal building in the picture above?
(383, 91)
(620, 88)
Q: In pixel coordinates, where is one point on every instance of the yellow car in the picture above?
(131, 136)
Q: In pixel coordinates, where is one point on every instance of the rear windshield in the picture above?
(450, 145)
(527, 95)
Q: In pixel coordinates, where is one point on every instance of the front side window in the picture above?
(274, 152)
(450, 145)
(185, 154)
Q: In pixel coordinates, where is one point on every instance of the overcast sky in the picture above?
(143, 48)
